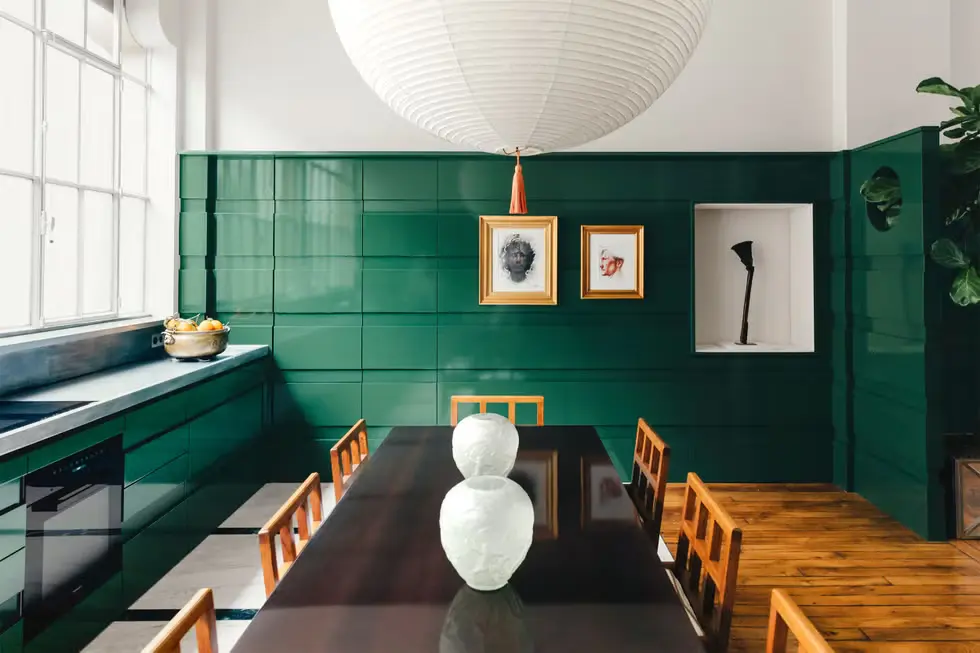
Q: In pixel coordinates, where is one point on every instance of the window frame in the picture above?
(43, 40)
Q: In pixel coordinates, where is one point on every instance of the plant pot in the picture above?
(485, 444)
(486, 524)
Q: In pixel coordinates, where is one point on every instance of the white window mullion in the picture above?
(42, 221)
(80, 256)
(116, 177)
(80, 218)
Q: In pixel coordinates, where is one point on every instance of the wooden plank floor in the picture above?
(866, 582)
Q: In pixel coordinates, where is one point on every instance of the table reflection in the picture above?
(485, 622)
(536, 471)
(602, 494)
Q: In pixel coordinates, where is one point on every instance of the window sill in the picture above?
(38, 339)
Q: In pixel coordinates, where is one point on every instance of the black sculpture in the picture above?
(744, 251)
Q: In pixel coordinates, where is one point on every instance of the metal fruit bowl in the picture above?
(195, 345)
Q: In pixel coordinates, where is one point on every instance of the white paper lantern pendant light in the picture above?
(527, 76)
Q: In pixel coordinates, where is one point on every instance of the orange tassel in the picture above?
(518, 201)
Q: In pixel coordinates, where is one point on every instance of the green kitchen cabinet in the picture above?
(154, 454)
(73, 442)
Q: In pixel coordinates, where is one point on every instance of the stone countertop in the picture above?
(116, 390)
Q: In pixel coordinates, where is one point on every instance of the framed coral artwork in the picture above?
(612, 262)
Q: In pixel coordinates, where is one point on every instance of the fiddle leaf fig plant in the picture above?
(883, 194)
(961, 250)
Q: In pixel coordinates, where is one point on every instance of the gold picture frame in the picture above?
(531, 244)
(625, 264)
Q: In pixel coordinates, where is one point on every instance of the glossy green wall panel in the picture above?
(318, 228)
(400, 234)
(193, 177)
(320, 404)
(243, 291)
(245, 178)
(318, 179)
(408, 403)
(318, 347)
(397, 289)
(375, 311)
(245, 234)
(192, 291)
(399, 342)
(890, 302)
(318, 285)
(400, 178)
(193, 232)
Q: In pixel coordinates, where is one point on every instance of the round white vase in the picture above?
(485, 444)
(486, 524)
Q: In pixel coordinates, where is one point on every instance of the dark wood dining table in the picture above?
(374, 578)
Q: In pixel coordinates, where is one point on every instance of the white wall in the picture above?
(769, 75)
(890, 47)
(760, 80)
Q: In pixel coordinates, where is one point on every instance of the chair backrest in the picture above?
(648, 485)
(786, 617)
(306, 504)
(708, 550)
(197, 614)
(346, 457)
(483, 400)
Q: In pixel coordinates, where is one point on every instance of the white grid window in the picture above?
(74, 90)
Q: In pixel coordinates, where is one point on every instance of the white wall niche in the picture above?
(781, 310)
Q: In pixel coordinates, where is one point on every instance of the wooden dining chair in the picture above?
(648, 483)
(346, 457)
(785, 617)
(706, 565)
(483, 400)
(197, 614)
(306, 505)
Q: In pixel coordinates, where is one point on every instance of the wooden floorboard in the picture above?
(864, 580)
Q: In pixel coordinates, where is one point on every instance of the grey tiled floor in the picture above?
(132, 636)
(227, 563)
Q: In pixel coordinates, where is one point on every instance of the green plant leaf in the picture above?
(965, 110)
(974, 93)
(948, 254)
(955, 121)
(881, 190)
(966, 287)
(955, 132)
(965, 157)
(938, 86)
(957, 215)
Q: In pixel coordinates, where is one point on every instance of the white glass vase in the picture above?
(486, 524)
(485, 444)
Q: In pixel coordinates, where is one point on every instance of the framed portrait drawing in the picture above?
(537, 473)
(605, 501)
(518, 259)
(612, 262)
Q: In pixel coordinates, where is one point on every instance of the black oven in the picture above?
(74, 543)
